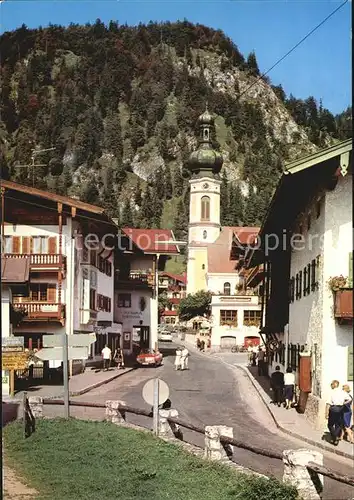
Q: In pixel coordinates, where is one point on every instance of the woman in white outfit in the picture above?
(184, 358)
(178, 359)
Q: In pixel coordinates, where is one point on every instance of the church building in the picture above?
(214, 251)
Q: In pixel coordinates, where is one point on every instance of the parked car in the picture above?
(165, 336)
(148, 357)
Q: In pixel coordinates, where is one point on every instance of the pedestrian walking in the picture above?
(184, 358)
(261, 361)
(335, 410)
(198, 343)
(277, 385)
(250, 354)
(254, 355)
(178, 358)
(202, 345)
(347, 416)
(289, 387)
(119, 358)
(106, 355)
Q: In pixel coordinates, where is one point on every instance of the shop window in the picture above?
(228, 317)
(252, 318)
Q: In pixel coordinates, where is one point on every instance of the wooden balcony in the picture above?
(41, 311)
(41, 261)
(343, 304)
(134, 280)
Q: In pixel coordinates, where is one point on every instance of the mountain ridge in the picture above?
(119, 105)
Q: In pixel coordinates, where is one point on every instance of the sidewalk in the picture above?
(293, 423)
(289, 422)
(78, 384)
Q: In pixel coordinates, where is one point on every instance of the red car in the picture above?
(148, 357)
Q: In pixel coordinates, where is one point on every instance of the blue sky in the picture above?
(321, 66)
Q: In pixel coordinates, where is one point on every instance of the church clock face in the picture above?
(205, 186)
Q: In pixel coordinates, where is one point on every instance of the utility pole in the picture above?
(33, 165)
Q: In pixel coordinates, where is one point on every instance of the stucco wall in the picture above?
(131, 316)
(241, 331)
(216, 282)
(338, 243)
(212, 227)
(196, 275)
(311, 318)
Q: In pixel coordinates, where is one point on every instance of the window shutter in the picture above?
(25, 244)
(350, 364)
(305, 281)
(16, 240)
(300, 284)
(52, 245)
(350, 273)
(52, 293)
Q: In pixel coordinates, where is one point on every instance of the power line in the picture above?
(295, 47)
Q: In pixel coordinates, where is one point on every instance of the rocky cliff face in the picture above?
(119, 106)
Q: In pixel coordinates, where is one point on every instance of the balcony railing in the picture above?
(41, 261)
(41, 311)
(343, 306)
(138, 279)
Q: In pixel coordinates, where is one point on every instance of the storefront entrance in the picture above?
(141, 336)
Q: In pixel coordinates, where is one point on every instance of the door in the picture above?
(227, 342)
(254, 341)
(144, 336)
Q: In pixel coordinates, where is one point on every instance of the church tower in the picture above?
(204, 207)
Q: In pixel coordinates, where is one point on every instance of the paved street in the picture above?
(212, 393)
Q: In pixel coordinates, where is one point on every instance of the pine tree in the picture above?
(127, 217)
(157, 197)
(108, 196)
(113, 136)
(138, 194)
(168, 183)
(177, 182)
(252, 64)
(119, 171)
(90, 192)
(236, 206)
(147, 209)
(224, 200)
(180, 223)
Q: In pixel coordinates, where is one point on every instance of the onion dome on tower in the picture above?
(205, 161)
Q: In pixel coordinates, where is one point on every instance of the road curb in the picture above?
(99, 384)
(265, 398)
(87, 388)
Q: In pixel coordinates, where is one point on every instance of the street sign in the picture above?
(14, 361)
(12, 344)
(76, 340)
(149, 389)
(10, 348)
(56, 353)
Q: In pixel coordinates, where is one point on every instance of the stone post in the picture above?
(115, 414)
(36, 406)
(308, 484)
(166, 428)
(214, 449)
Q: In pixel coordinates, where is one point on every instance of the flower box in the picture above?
(343, 305)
